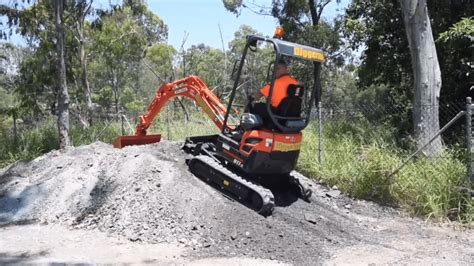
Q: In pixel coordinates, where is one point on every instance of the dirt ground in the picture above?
(96, 204)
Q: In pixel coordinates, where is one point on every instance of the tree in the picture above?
(26, 17)
(377, 28)
(81, 9)
(63, 95)
(121, 39)
(426, 72)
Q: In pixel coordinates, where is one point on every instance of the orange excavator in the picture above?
(247, 158)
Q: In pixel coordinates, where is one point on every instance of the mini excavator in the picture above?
(247, 158)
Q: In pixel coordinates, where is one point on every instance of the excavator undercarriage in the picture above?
(250, 189)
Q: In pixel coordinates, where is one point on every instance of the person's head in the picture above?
(281, 68)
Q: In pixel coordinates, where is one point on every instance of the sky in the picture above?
(199, 20)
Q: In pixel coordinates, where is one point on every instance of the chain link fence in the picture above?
(352, 130)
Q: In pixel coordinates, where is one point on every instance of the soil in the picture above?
(145, 207)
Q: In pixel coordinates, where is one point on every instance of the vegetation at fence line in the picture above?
(43, 137)
(361, 167)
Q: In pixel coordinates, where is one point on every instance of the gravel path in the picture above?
(145, 196)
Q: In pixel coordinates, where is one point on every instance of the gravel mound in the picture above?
(146, 194)
(140, 193)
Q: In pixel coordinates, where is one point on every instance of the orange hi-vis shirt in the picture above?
(279, 89)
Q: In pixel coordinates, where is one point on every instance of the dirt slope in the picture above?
(146, 195)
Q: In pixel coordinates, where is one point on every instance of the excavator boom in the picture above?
(191, 87)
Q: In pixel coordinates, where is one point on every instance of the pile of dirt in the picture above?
(146, 194)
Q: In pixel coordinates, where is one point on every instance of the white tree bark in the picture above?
(63, 96)
(426, 71)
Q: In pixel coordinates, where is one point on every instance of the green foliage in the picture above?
(464, 29)
(232, 5)
(160, 56)
(43, 138)
(28, 145)
(207, 63)
(377, 27)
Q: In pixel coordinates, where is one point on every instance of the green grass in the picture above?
(431, 187)
(176, 128)
(34, 141)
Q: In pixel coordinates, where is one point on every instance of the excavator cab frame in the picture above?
(287, 49)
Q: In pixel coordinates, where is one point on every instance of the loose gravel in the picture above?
(145, 194)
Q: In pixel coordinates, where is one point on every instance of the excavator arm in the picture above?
(191, 87)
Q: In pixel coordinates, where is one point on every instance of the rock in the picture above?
(182, 240)
(348, 206)
(134, 238)
(206, 244)
(333, 193)
(310, 218)
(233, 236)
(272, 257)
(193, 242)
(247, 234)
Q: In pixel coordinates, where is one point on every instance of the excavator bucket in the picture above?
(123, 141)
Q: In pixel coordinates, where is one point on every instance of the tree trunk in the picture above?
(63, 96)
(426, 71)
(315, 23)
(83, 7)
(85, 80)
(313, 12)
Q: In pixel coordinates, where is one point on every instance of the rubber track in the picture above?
(301, 181)
(266, 196)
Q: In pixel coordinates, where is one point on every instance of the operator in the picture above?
(282, 81)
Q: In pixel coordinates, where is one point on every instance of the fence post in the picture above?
(121, 122)
(320, 133)
(15, 132)
(469, 142)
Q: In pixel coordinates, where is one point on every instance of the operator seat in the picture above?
(290, 106)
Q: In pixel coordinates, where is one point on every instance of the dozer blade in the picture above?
(123, 141)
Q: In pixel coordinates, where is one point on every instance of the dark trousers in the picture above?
(261, 110)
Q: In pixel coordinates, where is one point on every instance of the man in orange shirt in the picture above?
(282, 81)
